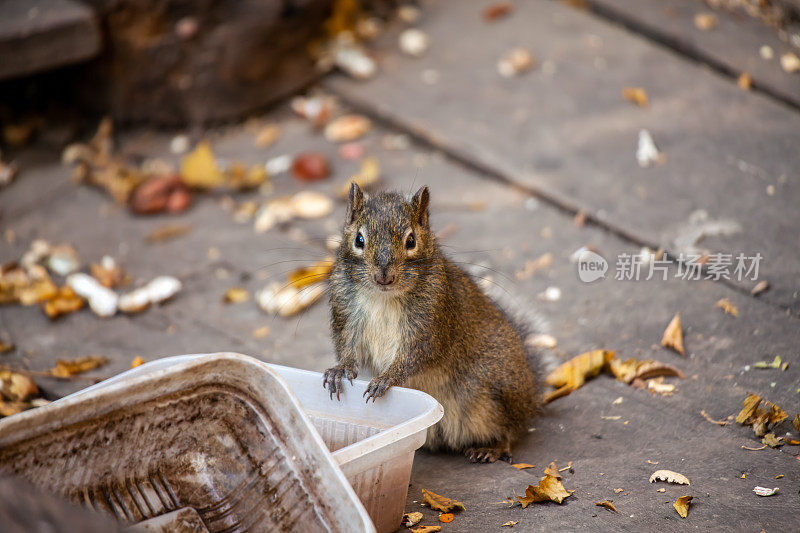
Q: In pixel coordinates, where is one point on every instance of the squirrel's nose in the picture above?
(384, 277)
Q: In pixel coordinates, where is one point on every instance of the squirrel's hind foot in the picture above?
(490, 454)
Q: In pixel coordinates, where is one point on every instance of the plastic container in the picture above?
(373, 443)
(220, 435)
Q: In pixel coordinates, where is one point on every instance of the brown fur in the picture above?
(435, 330)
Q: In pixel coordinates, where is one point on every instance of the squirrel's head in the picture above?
(387, 242)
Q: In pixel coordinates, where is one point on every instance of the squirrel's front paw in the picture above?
(377, 388)
(332, 379)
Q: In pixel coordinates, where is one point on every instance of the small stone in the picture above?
(790, 62)
(515, 62)
(413, 42)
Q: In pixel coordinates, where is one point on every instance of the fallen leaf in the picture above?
(657, 386)
(673, 336)
(728, 306)
(573, 373)
(5, 347)
(16, 387)
(548, 489)
(627, 371)
(661, 490)
(750, 405)
(440, 503)
(796, 422)
(705, 21)
(763, 491)
(617, 491)
(522, 466)
(779, 476)
(168, 232)
(682, 505)
(772, 441)
(647, 152)
(315, 273)
(199, 168)
(510, 523)
(744, 81)
(607, 504)
(62, 302)
(717, 422)
(411, 519)
(137, 361)
(68, 368)
(446, 518)
(753, 450)
(670, 477)
(427, 529)
(235, 295)
(552, 470)
(776, 363)
(637, 95)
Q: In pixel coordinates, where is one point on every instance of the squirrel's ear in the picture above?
(354, 202)
(420, 201)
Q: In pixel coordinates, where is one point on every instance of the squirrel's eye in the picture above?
(411, 241)
(359, 240)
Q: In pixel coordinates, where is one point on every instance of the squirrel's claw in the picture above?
(332, 380)
(376, 388)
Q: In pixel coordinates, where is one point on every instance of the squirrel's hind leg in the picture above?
(489, 454)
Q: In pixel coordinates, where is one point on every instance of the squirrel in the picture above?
(408, 313)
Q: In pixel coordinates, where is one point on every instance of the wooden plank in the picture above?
(733, 46)
(565, 131)
(43, 34)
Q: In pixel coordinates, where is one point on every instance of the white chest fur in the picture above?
(378, 327)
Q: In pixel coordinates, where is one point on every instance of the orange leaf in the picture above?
(673, 336)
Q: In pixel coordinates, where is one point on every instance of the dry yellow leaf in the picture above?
(682, 505)
(637, 95)
(137, 361)
(510, 523)
(62, 302)
(571, 374)
(670, 477)
(607, 504)
(199, 168)
(728, 306)
(522, 466)
(315, 273)
(772, 441)
(16, 387)
(796, 422)
(549, 489)
(744, 81)
(235, 295)
(427, 529)
(411, 519)
(673, 336)
(627, 371)
(750, 405)
(440, 503)
(65, 368)
(552, 470)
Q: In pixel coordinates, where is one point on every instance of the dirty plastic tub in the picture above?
(373, 443)
(219, 436)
